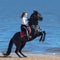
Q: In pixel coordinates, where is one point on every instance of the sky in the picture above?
(14, 8)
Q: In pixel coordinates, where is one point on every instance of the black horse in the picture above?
(20, 42)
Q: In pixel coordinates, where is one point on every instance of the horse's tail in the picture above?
(9, 48)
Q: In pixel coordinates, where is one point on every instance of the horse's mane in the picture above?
(33, 18)
(34, 14)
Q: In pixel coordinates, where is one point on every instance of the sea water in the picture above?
(10, 24)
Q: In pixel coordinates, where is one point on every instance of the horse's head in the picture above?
(36, 16)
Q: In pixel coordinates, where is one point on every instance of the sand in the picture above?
(41, 57)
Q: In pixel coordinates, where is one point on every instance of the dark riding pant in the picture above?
(24, 29)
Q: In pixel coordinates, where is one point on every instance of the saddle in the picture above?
(22, 34)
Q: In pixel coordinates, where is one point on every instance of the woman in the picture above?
(24, 25)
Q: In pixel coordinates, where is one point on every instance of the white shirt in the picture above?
(24, 21)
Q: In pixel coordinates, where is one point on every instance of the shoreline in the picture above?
(35, 53)
(32, 56)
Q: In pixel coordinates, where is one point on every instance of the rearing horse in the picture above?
(33, 23)
(20, 42)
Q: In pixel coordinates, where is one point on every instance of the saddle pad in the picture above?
(22, 34)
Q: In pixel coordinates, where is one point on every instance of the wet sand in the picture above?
(41, 57)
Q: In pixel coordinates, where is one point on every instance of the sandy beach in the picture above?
(41, 57)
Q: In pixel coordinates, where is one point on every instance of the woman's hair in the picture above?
(23, 14)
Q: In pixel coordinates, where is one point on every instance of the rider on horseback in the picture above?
(24, 26)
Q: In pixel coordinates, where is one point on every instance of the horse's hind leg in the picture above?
(21, 51)
(22, 54)
(16, 51)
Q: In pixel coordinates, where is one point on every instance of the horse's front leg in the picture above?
(44, 35)
(41, 34)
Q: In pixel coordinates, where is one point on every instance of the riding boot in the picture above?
(27, 35)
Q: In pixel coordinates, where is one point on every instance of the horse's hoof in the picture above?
(43, 40)
(25, 56)
(20, 57)
(4, 54)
